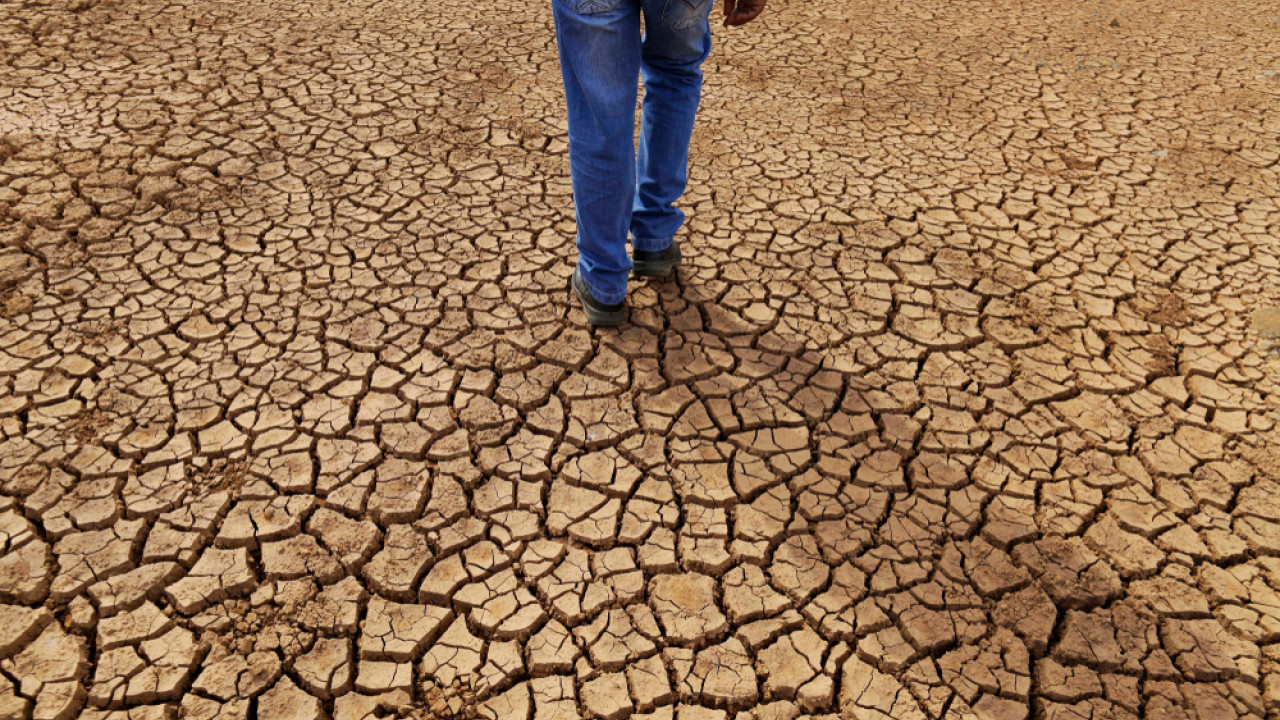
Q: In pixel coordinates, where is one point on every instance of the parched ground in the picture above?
(963, 407)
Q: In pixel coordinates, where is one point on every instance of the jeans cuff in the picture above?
(651, 244)
(599, 295)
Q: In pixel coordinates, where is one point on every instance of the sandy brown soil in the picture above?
(963, 407)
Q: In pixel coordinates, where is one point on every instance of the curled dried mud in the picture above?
(963, 406)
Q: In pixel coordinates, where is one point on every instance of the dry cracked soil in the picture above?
(963, 406)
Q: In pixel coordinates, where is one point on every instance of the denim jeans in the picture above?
(602, 53)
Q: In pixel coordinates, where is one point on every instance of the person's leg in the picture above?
(677, 39)
(599, 45)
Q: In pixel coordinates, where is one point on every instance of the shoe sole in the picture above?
(598, 318)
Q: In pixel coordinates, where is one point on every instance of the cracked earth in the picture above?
(963, 406)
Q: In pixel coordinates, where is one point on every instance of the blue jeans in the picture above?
(602, 53)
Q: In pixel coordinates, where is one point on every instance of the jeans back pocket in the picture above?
(590, 7)
(684, 14)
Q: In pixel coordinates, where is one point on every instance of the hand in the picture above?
(741, 12)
